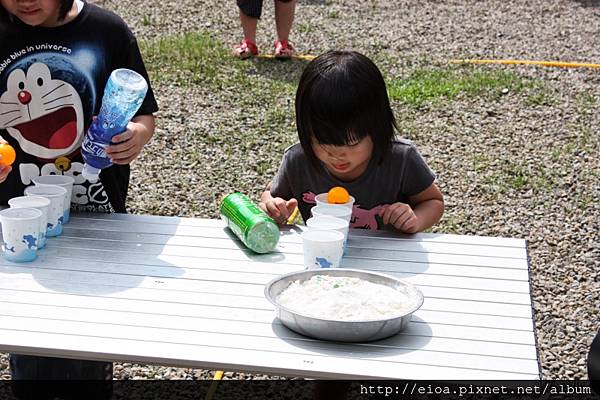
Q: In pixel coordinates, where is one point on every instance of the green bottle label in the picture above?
(251, 225)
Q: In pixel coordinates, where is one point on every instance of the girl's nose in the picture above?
(336, 154)
(24, 97)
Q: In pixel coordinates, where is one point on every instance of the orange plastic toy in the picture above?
(8, 154)
(338, 195)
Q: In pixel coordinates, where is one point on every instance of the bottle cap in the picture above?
(90, 173)
(128, 79)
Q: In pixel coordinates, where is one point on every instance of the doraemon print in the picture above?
(51, 85)
(43, 114)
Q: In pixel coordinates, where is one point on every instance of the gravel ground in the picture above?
(508, 165)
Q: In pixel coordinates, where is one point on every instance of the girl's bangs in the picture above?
(337, 115)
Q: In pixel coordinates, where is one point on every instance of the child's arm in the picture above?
(276, 207)
(130, 143)
(425, 210)
(4, 171)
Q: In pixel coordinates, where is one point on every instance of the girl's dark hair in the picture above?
(342, 98)
(65, 7)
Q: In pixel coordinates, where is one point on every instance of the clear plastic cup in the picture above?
(63, 181)
(39, 203)
(56, 195)
(344, 213)
(322, 249)
(321, 200)
(20, 230)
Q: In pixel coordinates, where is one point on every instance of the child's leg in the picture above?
(284, 17)
(250, 12)
(24, 369)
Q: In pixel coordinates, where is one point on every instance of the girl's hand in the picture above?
(128, 145)
(4, 171)
(401, 216)
(278, 208)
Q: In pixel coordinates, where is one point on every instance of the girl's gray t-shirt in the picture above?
(402, 173)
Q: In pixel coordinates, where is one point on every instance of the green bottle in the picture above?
(253, 226)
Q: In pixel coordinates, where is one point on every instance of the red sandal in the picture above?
(284, 50)
(245, 49)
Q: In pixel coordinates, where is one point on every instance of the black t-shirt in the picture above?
(51, 84)
(403, 173)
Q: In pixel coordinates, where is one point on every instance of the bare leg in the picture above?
(248, 26)
(284, 17)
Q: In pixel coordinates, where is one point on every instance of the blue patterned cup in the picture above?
(39, 203)
(20, 232)
(322, 249)
(56, 195)
(63, 181)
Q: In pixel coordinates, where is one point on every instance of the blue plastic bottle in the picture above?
(123, 95)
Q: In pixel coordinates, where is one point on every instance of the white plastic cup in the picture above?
(322, 249)
(56, 195)
(344, 213)
(39, 203)
(20, 230)
(321, 200)
(329, 223)
(63, 181)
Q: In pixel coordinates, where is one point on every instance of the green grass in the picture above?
(305, 27)
(432, 85)
(541, 96)
(185, 60)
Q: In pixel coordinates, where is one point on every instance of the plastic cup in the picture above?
(39, 203)
(63, 181)
(329, 223)
(322, 249)
(20, 230)
(321, 200)
(344, 213)
(56, 195)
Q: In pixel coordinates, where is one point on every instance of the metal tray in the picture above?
(343, 331)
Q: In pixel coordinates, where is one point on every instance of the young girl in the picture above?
(55, 58)
(347, 138)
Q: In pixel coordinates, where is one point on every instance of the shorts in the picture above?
(60, 377)
(253, 8)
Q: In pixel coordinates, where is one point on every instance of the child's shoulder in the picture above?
(107, 18)
(401, 146)
(294, 153)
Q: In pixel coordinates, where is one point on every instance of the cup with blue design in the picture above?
(39, 203)
(20, 232)
(63, 181)
(56, 195)
(322, 248)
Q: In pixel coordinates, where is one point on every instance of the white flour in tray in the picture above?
(343, 298)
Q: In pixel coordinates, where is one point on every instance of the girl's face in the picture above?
(345, 162)
(35, 12)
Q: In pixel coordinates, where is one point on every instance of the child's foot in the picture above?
(245, 49)
(284, 50)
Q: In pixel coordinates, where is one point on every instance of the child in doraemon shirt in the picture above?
(55, 58)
